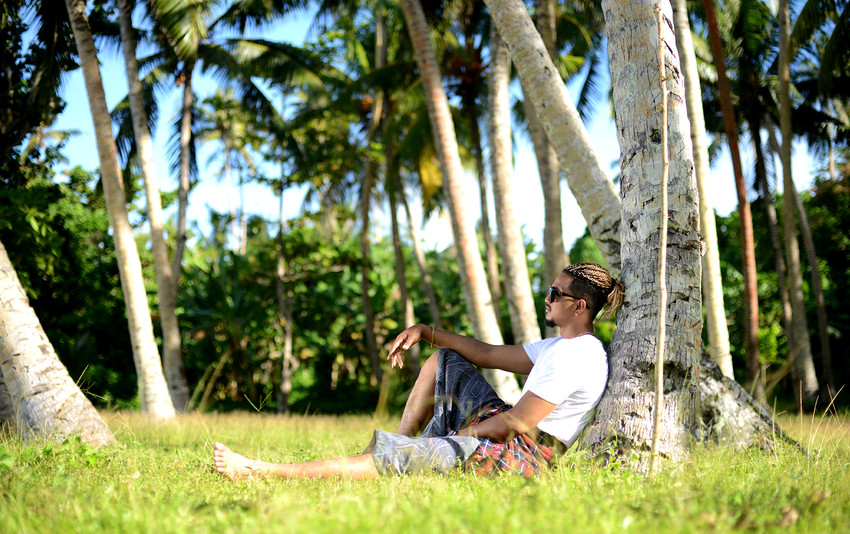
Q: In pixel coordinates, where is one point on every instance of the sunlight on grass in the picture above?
(160, 478)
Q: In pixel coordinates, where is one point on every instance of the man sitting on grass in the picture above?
(467, 423)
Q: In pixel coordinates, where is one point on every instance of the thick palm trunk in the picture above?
(427, 286)
(712, 289)
(591, 188)
(751, 318)
(517, 284)
(185, 162)
(172, 360)
(37, 396)
(477, 295)
(625, 412)
(153, 390)
(555, 255)
(806, 383)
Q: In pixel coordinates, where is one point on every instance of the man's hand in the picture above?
(410, 336)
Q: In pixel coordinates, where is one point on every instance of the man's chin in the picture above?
(549, 323)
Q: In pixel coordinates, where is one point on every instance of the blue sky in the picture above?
(212, 193)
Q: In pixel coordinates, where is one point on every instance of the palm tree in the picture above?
(718, 333)
(517, 285)
(153, 390)
(37, 395)
(554, 251)
(591, 188)
(222, 117)
(626, 410)
(172, 359)
(477, 295)
(806, 386)
(754, 377)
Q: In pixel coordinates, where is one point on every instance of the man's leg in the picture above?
(419, 408)
(447, 393)
(235, 466)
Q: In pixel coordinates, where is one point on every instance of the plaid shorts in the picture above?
(461, 397)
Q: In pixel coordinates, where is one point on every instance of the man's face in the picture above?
(559, 308)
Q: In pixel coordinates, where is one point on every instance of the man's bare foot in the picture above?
(233, 466)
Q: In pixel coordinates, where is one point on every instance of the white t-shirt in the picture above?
(572, 374)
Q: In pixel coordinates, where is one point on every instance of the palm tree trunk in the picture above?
(625, 412)
(185, 161)
(806, 386)
(555, 255)
(517, 284)
(817, 289)
(591, 188)
(153, 390)
(172, 360)
(37, 395)
(427, 286)
(712, 288)
(751, 319)
(479, 302)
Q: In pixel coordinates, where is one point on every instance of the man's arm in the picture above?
(525, 416)
(511, 358)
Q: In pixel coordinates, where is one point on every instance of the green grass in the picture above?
(160, 479)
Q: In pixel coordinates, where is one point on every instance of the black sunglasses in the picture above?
(554, 293)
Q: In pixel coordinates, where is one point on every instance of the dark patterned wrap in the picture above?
(461, 397)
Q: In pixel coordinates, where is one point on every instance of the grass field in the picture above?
(160, 479)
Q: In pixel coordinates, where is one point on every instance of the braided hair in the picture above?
(597, 287)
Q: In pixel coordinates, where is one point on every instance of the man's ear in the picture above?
(581, 306)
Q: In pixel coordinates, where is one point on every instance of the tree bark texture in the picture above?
(172, 360)
(712, 288)
(731, 416)
(37, 396)
(806, 382)
(153, 391)
(625, 412)
(477, 295)
(591, 188)
(514, 264)
(748, 269)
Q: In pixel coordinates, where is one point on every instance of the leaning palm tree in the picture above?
(153, 390)
(589, 184)
(517, 284)
(477, 295)
(172, 359)
(37, 395)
